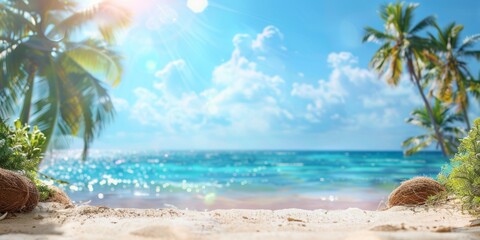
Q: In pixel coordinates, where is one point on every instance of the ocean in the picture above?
(207, 180)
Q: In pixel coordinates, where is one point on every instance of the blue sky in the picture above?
(264, 74)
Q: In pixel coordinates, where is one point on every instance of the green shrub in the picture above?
(462, 177)
(21, 151)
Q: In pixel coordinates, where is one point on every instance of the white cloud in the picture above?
(385, 118)
(354, 89)
(373, 102)
(166, 83)
(120, 104)
(246, 97)
(345, 62)
(358, 75)
(336, 60)
(167, 111)
(144, 108)
(327, 92)
(242, 97)
(405, 90)
(383, 95)
(166, 72)
(270, 37)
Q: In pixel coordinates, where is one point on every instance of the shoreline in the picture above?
(54, 221)
(201, 202)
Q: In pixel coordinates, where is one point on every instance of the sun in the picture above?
(197, 6)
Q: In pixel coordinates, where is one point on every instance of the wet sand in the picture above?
(367, 200)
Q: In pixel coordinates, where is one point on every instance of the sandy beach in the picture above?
(54, 221)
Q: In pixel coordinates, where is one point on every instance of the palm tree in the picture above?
(60, 74)
(402, 46)
(473, 86)
(450, 71)
(444, 119)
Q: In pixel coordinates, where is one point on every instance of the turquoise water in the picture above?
(238, 179)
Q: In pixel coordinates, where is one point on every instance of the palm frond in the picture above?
(424, 23)
(442, 37)
(380, 58)
(474, 88)
(46, 109)
(469, 42)
(97, 60)
(15, 23)
(396, 67)
(109, 17)
(69, 97)
(95, 103)
(472, 53)
(443, 118)
(416, 144)
(372, 35)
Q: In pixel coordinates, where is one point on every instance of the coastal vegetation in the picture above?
(463, 177)
(21, 151)
(436, 65)
(53, 77)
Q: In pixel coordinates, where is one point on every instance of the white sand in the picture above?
(53, 221)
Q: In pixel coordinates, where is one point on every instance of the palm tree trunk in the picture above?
(465, 117)
(27, 101)
(416, 80)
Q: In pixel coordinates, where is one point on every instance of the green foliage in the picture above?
(44, 191)
(53, 75)
(445, 119)
(401, 51)
(21, 151)
(462, 178)
(21, 148)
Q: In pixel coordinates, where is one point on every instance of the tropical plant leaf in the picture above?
(97, 60)
(424, 23)
(416, 144)
(372, 35)
(109, 17)
(68, 95)
(469, 42)
(445, 120)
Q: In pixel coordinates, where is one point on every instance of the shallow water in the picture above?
(237, 179)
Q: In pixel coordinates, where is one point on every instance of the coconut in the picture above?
(33, 195)
(14, 191)
(415, 191)
(58, 196)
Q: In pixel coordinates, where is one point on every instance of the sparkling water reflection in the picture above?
(238, 179)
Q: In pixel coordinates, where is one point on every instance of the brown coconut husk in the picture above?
(33, 195)
(58, 196)
(14, 191)
(414, 192)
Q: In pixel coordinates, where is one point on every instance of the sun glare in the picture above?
(197, 6)
(129, 3)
